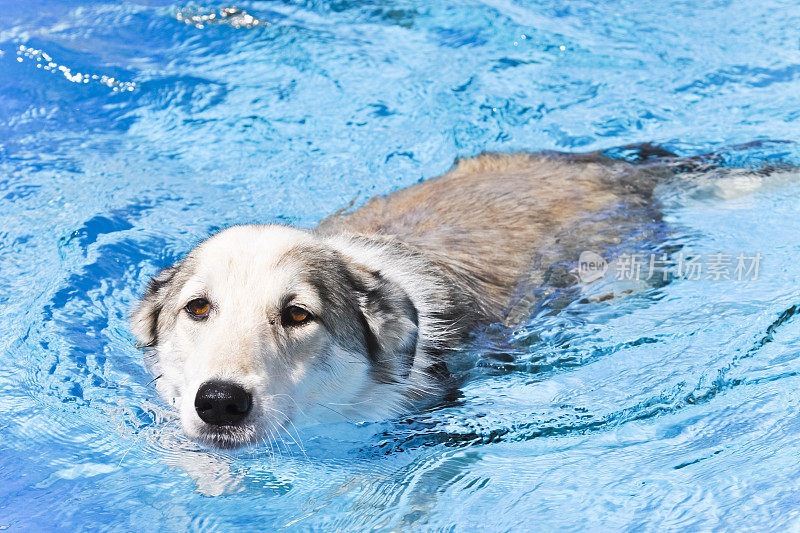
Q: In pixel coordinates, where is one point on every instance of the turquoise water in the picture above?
(129, 131)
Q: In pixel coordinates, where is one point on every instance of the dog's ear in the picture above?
(391, 325)
(144, 319)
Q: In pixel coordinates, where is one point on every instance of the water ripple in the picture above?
(130, 131)
(229, 16)
(43, 61)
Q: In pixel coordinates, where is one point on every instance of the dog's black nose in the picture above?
(221, 403)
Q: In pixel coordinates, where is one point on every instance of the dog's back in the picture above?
(484, 222)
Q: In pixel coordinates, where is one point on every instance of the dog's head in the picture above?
(263, 326)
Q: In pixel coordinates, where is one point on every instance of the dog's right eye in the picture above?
(198, 308)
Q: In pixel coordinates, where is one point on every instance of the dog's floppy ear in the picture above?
(391, 325)
(144, 319)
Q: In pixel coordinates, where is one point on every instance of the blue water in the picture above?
(129, 131)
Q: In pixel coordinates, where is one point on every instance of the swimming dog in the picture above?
(261, 326)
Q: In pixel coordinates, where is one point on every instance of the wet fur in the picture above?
(485, 224)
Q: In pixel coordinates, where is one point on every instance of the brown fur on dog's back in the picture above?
(483, 222)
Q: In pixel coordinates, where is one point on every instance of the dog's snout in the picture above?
(221, 403)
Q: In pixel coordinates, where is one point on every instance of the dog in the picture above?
(262, 326)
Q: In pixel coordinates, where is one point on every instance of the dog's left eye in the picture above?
(294, 316)
(198, 308)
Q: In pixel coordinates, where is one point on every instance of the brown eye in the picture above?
(294, 316)
(198, 308)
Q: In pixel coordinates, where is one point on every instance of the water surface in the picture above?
(131, 130)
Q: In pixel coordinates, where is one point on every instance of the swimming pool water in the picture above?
(130, 130)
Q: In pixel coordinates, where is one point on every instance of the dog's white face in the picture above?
(260, 327)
